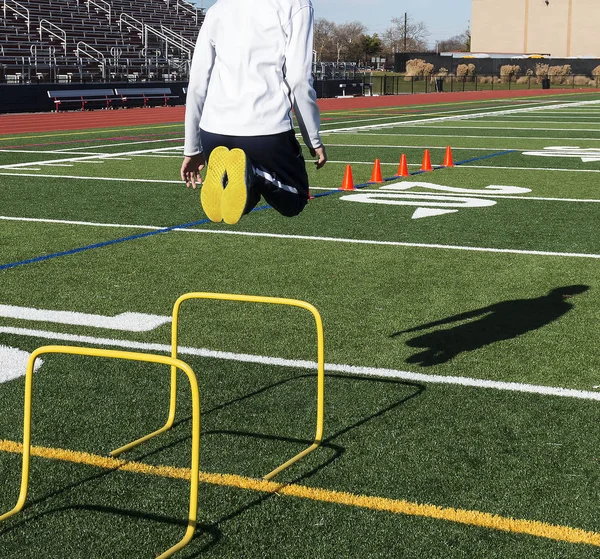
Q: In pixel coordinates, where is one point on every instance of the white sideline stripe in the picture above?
(113, 156)
(397, 146)
(127, 322)
(312, 365)
(118, 179)
(527, 168)
(69, 222)
(477, 126)
(494, 137)
(327, 239)
(405, 117)
(525, 105)
(559, 117)
(464, 116)
(54, 152)
(132, 143)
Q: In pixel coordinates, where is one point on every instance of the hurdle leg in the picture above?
(144, 357)
(26, 438)
(320, 355)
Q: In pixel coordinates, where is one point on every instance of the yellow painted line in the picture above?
(382, 504)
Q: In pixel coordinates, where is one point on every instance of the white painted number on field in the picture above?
(13, 361)
(585, 154)
(428, 204)
(128, 322)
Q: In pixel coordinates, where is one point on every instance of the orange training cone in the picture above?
(403, 167)
(426, 166)
(310, 196)
(448, 158)
(376, 174)
(347, 183)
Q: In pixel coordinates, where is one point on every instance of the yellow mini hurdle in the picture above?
(246, 299)
(132, 356)
(175, 364)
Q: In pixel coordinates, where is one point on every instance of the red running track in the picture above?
(84, 120)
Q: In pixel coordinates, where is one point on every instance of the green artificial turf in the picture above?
(395, 293)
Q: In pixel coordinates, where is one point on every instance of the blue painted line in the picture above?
(203, 221)
(112, 242)
(99, 245)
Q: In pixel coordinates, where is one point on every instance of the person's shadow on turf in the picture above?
(500, 321)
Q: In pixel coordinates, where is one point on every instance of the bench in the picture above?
(146, 96)
(82, 97)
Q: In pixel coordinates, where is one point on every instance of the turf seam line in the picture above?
(381, 504)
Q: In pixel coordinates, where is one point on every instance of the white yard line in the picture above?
(114, 156)
(26, 169)
(311, 365)
(323, 239)
(553, 118)
(397, 146)
(484, 137)
(132, 143)
(114, 179)
(477, 126)
(446, 118)
(53, 152)
(325, 123)
(464, 116)
(528, 168)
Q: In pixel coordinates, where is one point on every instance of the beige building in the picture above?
(556, 27)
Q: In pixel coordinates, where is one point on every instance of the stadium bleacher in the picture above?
(62, 41)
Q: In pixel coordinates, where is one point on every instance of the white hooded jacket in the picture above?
(252, 64)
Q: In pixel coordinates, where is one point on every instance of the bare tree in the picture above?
(324, 33)
(349, 41)
(406, 35)
(460, 43)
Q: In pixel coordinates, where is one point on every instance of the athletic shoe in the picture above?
(211, 192)
(239, 181)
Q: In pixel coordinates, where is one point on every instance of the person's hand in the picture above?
(190, 169)
(321, 154)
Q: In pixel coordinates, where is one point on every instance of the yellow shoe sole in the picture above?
(235, 195)
(211, 192)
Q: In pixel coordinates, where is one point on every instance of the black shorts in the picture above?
(280, 168)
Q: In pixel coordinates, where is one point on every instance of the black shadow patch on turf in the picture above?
(500, 321)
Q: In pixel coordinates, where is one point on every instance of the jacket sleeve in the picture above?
(200, 71)
(298, 75)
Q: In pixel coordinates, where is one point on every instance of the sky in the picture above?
(444, 18)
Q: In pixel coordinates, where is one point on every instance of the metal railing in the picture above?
(402, 85)
(185, 8)
(169, 41)
(92, 53)
(100, 5)
(15, 7)
(131, 22)
(183, 41)
(54, 31)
